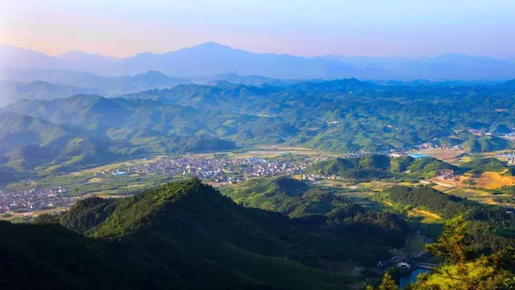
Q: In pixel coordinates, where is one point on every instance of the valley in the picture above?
(38, 194)
(257, 145)
(344, 181)
(361, 214)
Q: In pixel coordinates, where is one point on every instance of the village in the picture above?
(24, 201)
(217, 170)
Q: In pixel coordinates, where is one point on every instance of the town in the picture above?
(217, 170)
(35, 199)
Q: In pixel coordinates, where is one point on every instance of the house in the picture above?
(445, 174)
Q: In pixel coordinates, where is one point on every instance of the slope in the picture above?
(376, 167)
(164, 238)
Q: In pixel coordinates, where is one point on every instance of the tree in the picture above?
(459, 271)
(453, 243)
(387, 284)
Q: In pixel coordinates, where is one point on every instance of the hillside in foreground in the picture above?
(168, 237)
(186, 235)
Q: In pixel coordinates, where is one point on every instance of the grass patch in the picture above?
(424, 216)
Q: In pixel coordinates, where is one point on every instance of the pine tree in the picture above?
(388, 283)
(459, 272)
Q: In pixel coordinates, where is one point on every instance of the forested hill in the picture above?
(183, 235)
(350, 115)
(340, 116)
(404, 168)
(491, 227)
(376, 167)
(170, 236)
(84, 130)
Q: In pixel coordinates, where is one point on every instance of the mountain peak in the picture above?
(212, 44)
(73, 53)
(209, 46)
(154, 73)
(81, 55)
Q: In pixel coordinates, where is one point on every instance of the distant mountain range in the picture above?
(11, 91)
(108, 86)
(210, 59)
(52, 84)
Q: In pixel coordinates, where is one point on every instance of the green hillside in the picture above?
(480, 165)
(486, 144)
(164, 238)
(67, 134)
(342, 115)
(339, 116)
(323, 208)
(491, 227)
(377, 167)
(285, 195)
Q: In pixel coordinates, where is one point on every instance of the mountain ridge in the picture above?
(212, 58)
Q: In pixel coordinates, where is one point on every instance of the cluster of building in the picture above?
(219, 170)
(315, 177)
(34, 199)
(435, 146)
(216, 170)
(446, 174)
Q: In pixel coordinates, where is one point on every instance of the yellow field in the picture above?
(427, 216)
(465, 159)
(95, 180)
(469, 192)
(478, 195)
(493, 180)
(32, 213)
(331, 183)
(489, 201)
(408, 184)
(443, 187)
(377, 185)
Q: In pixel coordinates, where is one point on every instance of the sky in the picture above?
(123, 28)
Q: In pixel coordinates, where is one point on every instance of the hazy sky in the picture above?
(298, 27)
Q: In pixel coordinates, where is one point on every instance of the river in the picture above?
(411, 278)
